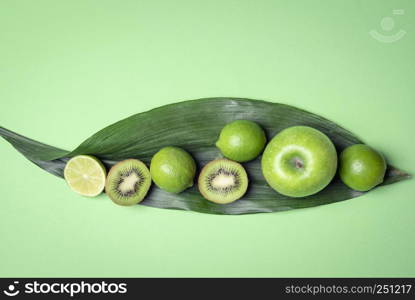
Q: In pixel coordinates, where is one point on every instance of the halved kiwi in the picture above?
(223, 181)
(128, 182)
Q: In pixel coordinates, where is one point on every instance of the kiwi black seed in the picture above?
(223, 181)
(128, 182)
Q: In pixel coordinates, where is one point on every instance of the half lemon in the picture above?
(85, 175)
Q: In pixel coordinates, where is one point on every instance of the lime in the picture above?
(241, 140)
(173, 169)
(85, 175)
(361, 167)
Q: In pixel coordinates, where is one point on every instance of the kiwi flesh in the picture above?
(223, 181)
(128, 182)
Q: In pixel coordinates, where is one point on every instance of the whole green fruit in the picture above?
(173, 169)
(241, 140)
(299, 161)
(361, 167)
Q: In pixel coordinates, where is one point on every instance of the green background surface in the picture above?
(69, 68)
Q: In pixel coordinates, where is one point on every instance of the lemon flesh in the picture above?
(85, 175)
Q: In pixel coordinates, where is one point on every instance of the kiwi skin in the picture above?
(227, 168)
(114, 180)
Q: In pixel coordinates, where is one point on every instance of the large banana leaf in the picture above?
(195, 126)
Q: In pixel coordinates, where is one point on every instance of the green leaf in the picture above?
(195, 126)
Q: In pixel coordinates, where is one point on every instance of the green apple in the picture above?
(173, 169)
(361, 167)
(299, 161)
(241, 140)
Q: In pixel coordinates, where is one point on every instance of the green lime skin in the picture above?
(299, 161)
(241, 140)
(361, 167)
(173, 169)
